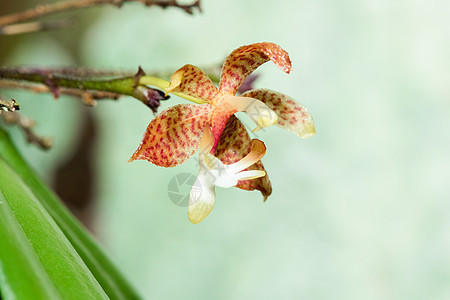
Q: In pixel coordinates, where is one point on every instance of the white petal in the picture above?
(201, 200)
(215, 171)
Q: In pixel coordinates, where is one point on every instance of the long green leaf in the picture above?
(64, 267)
(111, 280)
(22, 275)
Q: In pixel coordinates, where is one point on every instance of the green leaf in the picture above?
(22, 275)
(64, 267)
(111, 280)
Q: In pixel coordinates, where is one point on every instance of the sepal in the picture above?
(292, 115)
(174, 135)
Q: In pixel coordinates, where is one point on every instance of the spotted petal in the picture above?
(234, 144)
(291, 115)
(192, 81)
(174, 135)
(244, 60)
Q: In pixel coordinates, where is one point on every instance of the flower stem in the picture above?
(124, 85)
(128, 85)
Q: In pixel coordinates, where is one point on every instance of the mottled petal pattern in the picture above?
(233, 145)
(174, 135)
(192, 81)
(219, 118)
(291, 115)
(244, 60)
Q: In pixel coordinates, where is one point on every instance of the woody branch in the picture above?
(57, 7)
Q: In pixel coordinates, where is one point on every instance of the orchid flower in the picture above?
(175, 134)
(213, 172)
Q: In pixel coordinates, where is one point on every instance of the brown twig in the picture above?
(26, 125)
(212, 70)
(37, 26)
(57, 7)
(88, 97)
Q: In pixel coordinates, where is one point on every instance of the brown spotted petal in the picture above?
(174, 135)
(192, 81)
(246, 59)
(234, 144)
(291, 115)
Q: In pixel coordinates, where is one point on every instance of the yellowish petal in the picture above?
(259, 112)
(201, 200)
(249, 175)
(192, 81)
(291, 115)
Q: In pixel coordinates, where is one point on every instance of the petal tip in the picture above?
(279, 56)
(285, 65)
(136, 155)
(308, 131)
(193, 220)
(288, 70)
(258, 148)
(197, 212)
(201, 201)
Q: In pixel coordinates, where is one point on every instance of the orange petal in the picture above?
(174, 135)
(234, 144)
(246, 59)
(192, 81)
(219, 118)
(291, 115)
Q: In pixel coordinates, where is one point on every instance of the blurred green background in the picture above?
(359, 211)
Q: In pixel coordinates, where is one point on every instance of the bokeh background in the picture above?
(359, 211)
